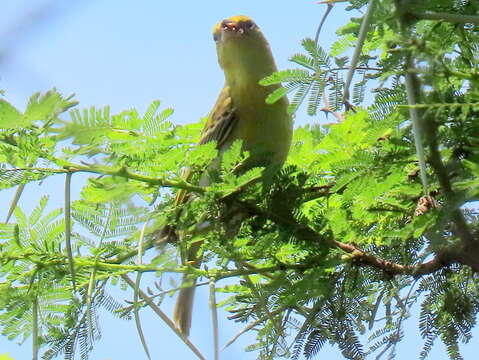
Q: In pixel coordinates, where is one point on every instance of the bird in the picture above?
(240, 113)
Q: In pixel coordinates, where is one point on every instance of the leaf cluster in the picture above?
(336, 247)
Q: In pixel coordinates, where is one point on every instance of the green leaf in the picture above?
(318, 54)
(303, 60)
(473, 167)
(10, 117)
(202, 155)
(285, 76)
(46, 107)
(277, 94)
(232, 157)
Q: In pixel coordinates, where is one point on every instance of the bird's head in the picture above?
(241, 45)
(235, 28)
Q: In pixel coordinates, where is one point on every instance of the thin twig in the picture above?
(404, 312)
(68, 227)
(250, 326)
(214, 318)
(307, 322)
(179, 288)
(92, 281)
(165, 292)
(35, 169)
(106, 170)
(375, 309)
(328, 10)
(163, 317)
(35, 329)
(136, 313)
(242, 331)
(126, 173)
(367, 68)
(263, 302)
(253, 267)
(417, 128)
(363, 31)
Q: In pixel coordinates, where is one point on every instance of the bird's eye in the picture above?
(250, 25)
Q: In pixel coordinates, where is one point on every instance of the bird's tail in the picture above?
(184, 303)
(184, 307)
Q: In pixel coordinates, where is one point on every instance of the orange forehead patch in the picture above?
(239, 18)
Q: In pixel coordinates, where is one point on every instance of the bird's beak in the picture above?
(229, 25)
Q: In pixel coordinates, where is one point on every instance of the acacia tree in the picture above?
(371, 216)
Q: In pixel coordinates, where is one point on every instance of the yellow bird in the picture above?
(241, 113)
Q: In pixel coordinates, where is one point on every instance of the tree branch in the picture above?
(453, 18)
(392, 268)
(105, 170)
(468, 254)
(359, 256)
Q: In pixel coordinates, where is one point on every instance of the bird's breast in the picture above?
(265, 129)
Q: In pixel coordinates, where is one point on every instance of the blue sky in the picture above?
(126, 54)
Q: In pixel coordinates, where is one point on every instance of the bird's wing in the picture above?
(221, 122)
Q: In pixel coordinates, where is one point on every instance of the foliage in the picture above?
(337, 246)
